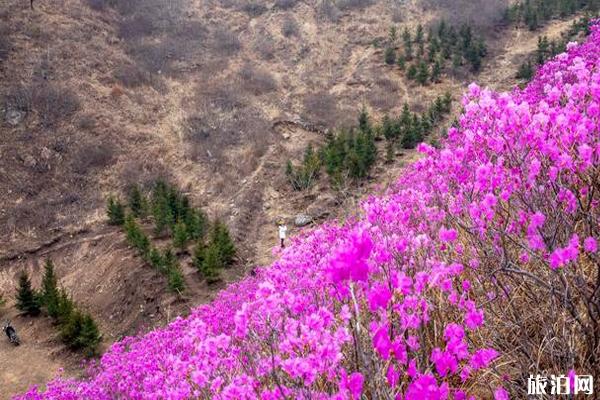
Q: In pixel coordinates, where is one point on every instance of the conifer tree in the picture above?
(210, 264)
(155, 259)
(419, 34)
(401, 62)
(71, 329)
(389, 152)
(390, 56)
(115, 211)
(199, 253)
(175, 279)
(408, 50)
(180, 235)
(412, 72)
(222, 241)
(195, 222)
(525, 71)
(169, 259)
(422, 73)
(50, 294)
(137, 202)
(387, 127)
(436, 71)
(28, 301)
(363, 120)
(89, 335)
(65, 308)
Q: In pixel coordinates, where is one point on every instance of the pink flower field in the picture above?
(479, 267)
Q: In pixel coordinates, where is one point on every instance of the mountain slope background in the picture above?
(214, 96)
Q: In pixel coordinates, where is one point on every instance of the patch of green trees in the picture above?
(78, 329)
(174, 217)
(424, 56)
(547, 49)
(349, 154)
(535, 13)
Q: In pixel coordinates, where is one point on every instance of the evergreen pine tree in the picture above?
(542, 51)
(28, 301)
(180, 235)
(406, 38)
(525, 71)
(419, 34)
(71, 329)
(115, 211)
(175, 280)
(436, 71)
(222, 241)
(412, 72)
(387, 127)
(155, 259)
(137, 202)
(390, 56)
(363, 120)
(210, 264)
(199, 253)
(389, 152)
(50, 294)
(160, 208)
(169, 259)
(65, 308)
(195, 222)
(422, 73)
(401, 62)
(89, 335)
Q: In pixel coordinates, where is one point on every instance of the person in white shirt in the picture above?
(282, 232)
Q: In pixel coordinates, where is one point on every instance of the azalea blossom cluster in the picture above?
(392, 304)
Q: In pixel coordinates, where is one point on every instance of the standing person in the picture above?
(282, 232)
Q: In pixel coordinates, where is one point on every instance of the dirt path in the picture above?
(38, 359)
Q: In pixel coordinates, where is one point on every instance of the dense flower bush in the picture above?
(447, 287)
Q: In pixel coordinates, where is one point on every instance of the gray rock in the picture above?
(14, 117)
(302, 220)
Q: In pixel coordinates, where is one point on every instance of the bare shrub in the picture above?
(153, 57)
(144, 173)
(18, 98)
(265, 46)
(135, 27)
(225, 42)
(257, 81)
(86, 122)
(384, 96)
(253, 8)
(478, 13)
(97, 5)
(53, 103)
(327, 9)
(396, 14)
(289, 27)
(132, 76)
(353, 4)
(223, 98)
(92, 155)
(4, 44)
(321, 108)
(285, 4)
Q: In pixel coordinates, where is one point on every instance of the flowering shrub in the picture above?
(482, 252)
